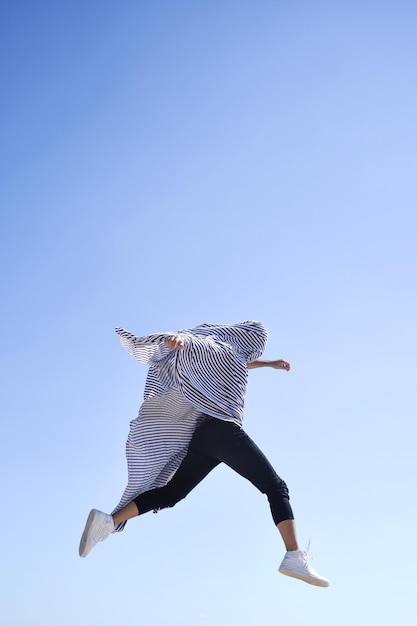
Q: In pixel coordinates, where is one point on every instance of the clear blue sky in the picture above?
(166, 163)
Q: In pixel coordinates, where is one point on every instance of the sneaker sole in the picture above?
(90, 519)
(310, 581)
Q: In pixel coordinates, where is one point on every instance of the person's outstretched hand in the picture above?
(280, 364)
(173, 342)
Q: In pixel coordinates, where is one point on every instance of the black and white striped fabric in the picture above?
(208, 376)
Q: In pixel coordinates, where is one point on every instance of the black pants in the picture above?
(216, 441)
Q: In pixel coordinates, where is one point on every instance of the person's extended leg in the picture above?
(127, 512)
(192, 470)
(190, 473)
(247, 460)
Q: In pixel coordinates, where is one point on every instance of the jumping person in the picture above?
(197, 382)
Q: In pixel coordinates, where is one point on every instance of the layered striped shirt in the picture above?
(207, 377)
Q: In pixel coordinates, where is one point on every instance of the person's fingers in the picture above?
(173, 342)
(170, 342)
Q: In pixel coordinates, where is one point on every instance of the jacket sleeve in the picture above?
(145, 349)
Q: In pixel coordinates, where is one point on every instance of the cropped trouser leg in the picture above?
(217, 441)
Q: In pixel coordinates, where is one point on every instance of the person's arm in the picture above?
(144, 349)
(278, 364)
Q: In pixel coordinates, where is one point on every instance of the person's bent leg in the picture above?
(289, 534)
(231, 445)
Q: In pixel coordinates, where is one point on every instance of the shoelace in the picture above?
(306, 553)
(307, 558)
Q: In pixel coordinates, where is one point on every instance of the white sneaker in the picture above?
(296, 564)
(98, 527)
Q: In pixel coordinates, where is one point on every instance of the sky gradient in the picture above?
(165, 164)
